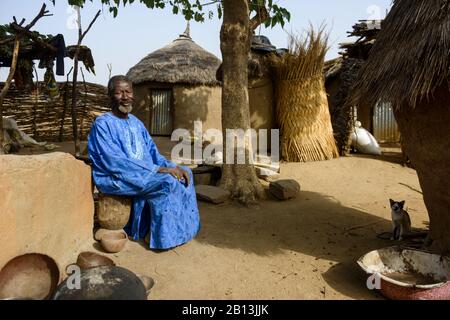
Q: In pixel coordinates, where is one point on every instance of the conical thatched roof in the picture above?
(182, 61)
(411, 56)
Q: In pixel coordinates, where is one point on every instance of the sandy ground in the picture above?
(304, 248)
(299, 249)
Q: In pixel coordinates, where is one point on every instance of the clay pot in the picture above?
(114, 242)
(100, 232)
(30, 276)
(87, 260)
(104, 283)
(148, 282)
(113, 211)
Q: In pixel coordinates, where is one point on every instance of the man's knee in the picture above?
(168, 182)
(189, 171)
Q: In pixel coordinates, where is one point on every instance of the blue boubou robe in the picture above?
(125, 161)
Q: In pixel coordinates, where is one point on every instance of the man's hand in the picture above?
(177, 173)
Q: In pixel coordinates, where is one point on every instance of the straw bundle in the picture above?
(302, 107)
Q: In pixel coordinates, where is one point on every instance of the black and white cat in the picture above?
(401, 222)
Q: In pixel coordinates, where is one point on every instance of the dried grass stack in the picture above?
(302, 107)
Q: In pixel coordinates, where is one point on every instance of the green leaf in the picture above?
(113, 10)
(274, 22)
(219, 11)
(175, 9)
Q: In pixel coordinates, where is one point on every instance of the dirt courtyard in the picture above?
(304, 248)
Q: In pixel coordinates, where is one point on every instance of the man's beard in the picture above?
(126, 108)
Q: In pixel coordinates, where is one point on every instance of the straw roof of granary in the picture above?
(332, 68)
(182, 61)
(411, 57)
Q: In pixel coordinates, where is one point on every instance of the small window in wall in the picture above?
(385, 127)
(161, 113)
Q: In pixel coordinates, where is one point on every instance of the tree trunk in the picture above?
(426, 137)
(239, 179)
(5, 89)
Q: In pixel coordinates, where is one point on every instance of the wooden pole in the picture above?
(65, 100)
(81, 35)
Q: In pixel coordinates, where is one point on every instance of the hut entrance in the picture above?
(161, 115)
(385, 127)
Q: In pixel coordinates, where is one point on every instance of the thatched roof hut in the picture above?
(341, 75)
(175, 86)
(410, 67)
(412, 55)
(182, 61)
(181, 83)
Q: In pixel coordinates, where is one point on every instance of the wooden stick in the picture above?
(81, 35)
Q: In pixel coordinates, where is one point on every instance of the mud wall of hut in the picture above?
(197, 103)
(47, 120)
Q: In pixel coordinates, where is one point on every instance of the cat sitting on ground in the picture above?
(401, 222)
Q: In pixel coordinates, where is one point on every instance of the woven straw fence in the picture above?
(304, 119)
(46, 120)
(302, 107)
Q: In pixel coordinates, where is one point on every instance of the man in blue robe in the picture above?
(126, 162)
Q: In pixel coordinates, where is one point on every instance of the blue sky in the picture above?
(123, 41)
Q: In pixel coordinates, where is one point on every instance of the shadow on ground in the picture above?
(313, 225)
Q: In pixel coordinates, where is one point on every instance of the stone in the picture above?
(284, 189)
(203, 169)
(266, 173)
(212, 194)
(113, 211)
(202, 178)
(46, 207)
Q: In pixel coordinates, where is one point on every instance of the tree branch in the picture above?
(19, 28)
(42, 13)
(261, 15)
(90, 25)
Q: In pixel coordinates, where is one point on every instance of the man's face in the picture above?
(123, 96)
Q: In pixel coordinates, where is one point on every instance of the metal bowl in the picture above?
(407, 274)
(30, 276)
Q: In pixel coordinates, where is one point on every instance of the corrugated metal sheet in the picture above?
(385, 127)
(161, 120)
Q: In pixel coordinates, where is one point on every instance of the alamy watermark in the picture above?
(242, 146)
(374, 281)
(73, 282)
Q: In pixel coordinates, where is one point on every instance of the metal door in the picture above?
(161, 115)
(385, 127)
